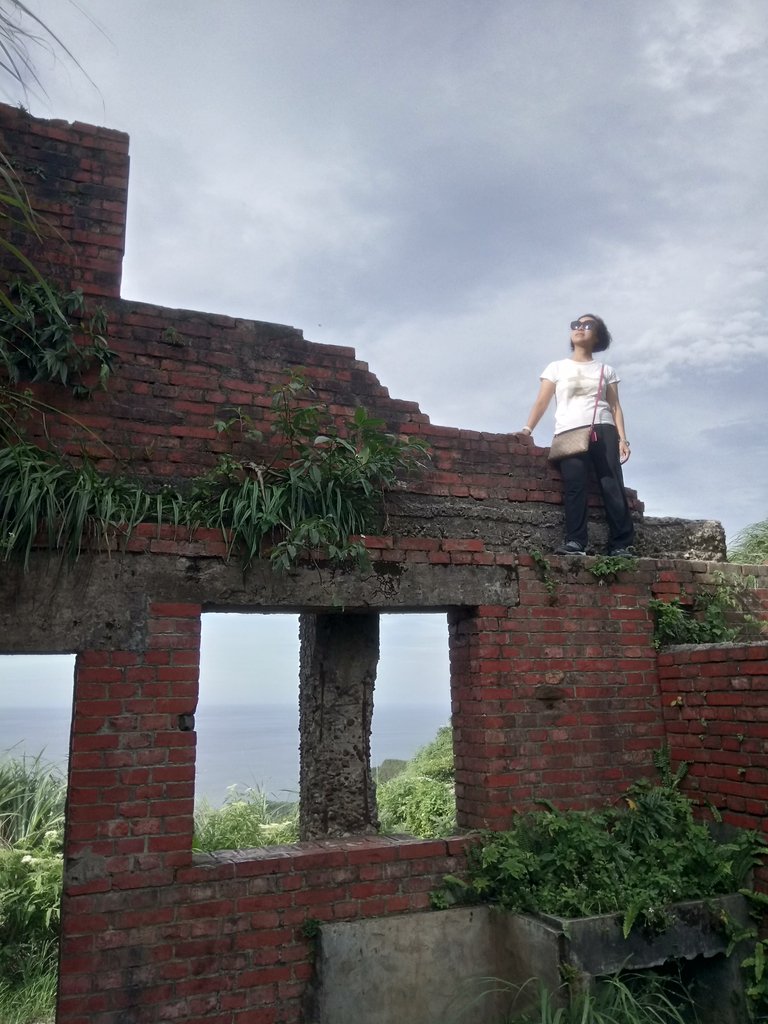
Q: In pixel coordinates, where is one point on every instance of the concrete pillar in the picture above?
(339, 658)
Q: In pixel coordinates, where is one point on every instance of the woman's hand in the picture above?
(540, 406)
(612, 395)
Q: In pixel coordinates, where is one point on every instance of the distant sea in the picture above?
(248, 745)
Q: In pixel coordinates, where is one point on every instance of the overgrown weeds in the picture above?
(633, 860)
(420, 800)
(323, 491)
(247, 818)
(719, 613)
(625, 998)
(31, 828)
(32, 794)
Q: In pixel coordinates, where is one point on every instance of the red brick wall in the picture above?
(554, 700)
(714, 699)
(715, 704)
(156, 420)
(153, 931)
(558, 696)
(556, 692)
(76, 177)
(180, 370)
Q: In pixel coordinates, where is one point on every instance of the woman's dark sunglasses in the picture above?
(587, 325)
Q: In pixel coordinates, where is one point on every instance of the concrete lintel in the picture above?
(101, 600)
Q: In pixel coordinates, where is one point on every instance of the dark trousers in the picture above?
(603, 456)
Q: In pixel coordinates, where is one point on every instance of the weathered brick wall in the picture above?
(76, 177)
(558, 695)
(180, 370)
(714, 699)
(232, 939)
(556, 688)
(715, 704)
(151, 931)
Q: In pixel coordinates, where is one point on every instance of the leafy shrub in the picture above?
(421, 800)
(417, 805)
(246, 819)
(435, 759)
(718, 614)
(30, 896)
(634, 861)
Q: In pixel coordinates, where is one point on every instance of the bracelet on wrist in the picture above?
(526, 430)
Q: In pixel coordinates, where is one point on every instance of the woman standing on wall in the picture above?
(587, 391)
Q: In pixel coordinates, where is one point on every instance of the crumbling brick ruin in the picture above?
(554, 695)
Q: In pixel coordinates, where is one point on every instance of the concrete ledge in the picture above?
(596, 945)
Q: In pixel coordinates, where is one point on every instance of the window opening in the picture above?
(247, 720)
(411, 736)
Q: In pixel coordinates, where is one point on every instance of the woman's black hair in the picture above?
(602, 332)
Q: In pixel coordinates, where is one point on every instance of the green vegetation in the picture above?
(247, 818)
(718, 614)
(31, 831)
(751, 545)
(324, 487)
(21, 30)
(547, 577)
(626, 998)
(32, 795)
(420, 799)
(49, 335)
(606, 568)
(633, 861)
(755, 966)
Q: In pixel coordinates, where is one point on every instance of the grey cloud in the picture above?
(459, 179)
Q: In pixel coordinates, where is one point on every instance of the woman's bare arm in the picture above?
(612, 396)
(540, 405)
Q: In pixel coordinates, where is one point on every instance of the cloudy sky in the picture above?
(444, 184)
